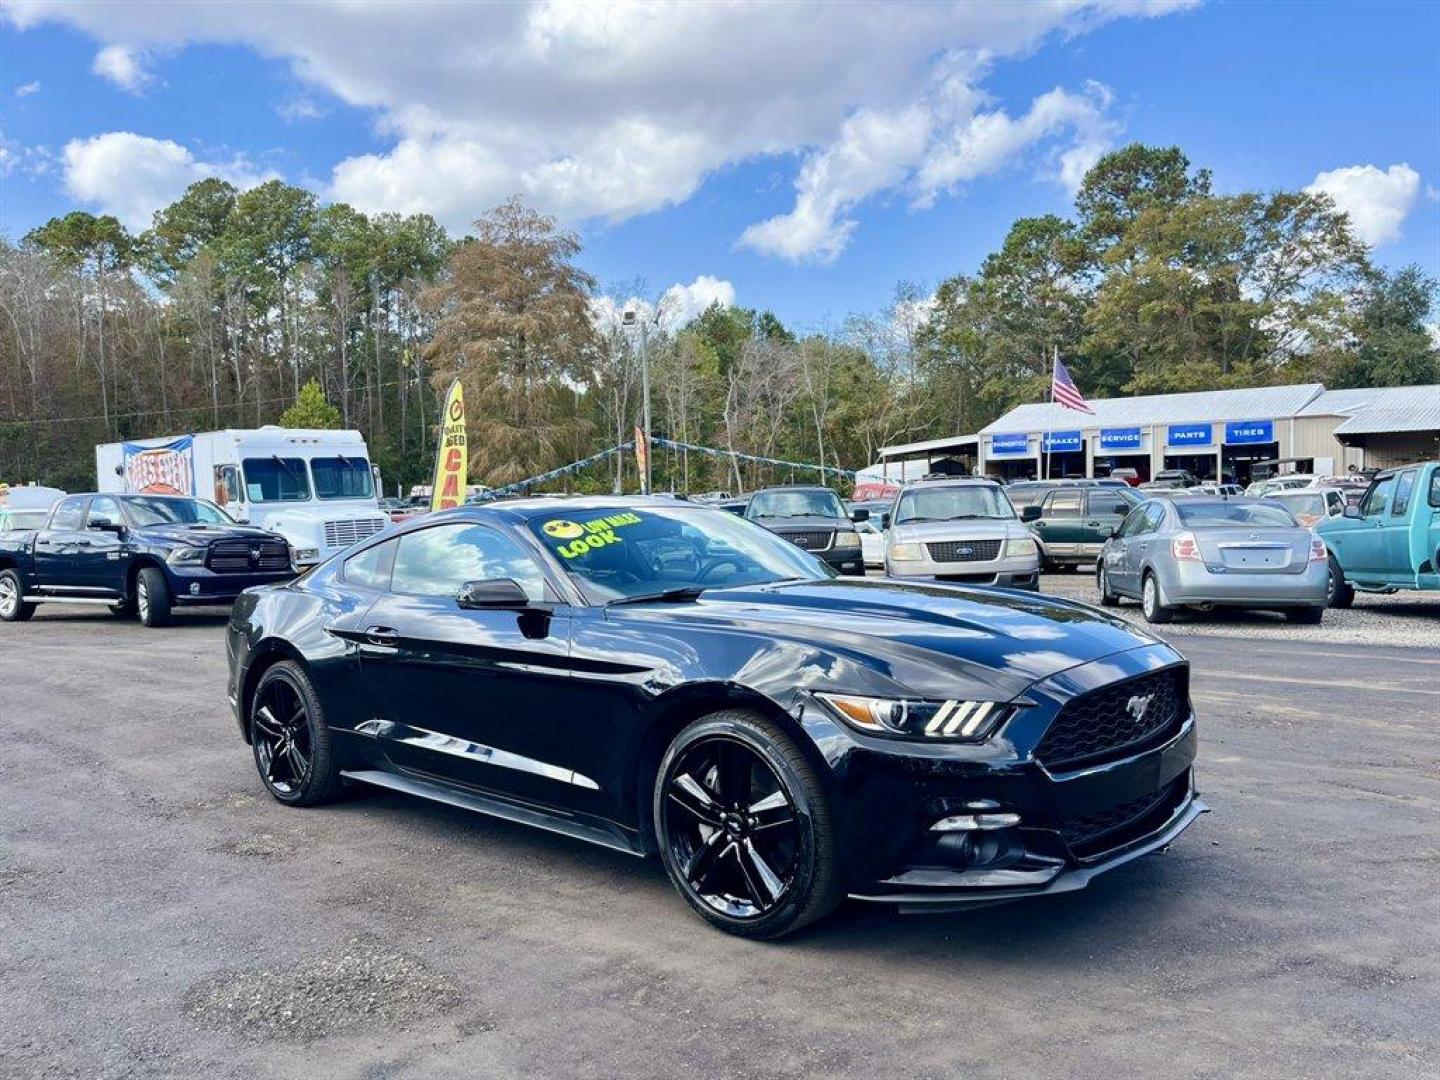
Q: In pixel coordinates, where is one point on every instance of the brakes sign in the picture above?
(577, 538)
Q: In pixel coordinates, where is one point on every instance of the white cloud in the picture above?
(27, 89)
(614, 109)
(678, 305)
(1378, 201)
(296, 109)
(132, 176)
(124, 67)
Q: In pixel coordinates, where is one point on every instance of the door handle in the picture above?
(381, 635)
(82, 543)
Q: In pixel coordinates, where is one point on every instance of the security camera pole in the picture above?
(632, 318)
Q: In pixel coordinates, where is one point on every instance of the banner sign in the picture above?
(1120, 438)
(1249, 431)
(1009, 444)
(452, 456)
(1190, 435)
(1062, 442)
(168, 469)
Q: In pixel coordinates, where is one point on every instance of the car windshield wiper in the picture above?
(683, 592)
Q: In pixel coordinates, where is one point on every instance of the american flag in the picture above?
(1063, 391)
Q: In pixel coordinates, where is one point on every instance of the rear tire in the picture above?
(13, 607)
(744, 827)
(1102, 582)
(1342, 593)
(1151, 606)
(1305, 616)
(152, 597)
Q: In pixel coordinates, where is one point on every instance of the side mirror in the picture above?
(1352, 511)
(1107, 530)
(106, 525)
(495, 594)
(1030, 513)
(859, 514)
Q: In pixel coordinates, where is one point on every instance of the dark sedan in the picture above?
(662, 678)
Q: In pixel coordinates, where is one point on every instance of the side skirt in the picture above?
(612, 838)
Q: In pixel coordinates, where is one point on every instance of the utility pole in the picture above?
(632, 318)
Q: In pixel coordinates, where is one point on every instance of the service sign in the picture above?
(167, 469)
(1190, 435)
(1062, 442)
(1120, 438)
(1240, 432)
(1009, 444)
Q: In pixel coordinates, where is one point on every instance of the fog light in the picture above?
(194, 588)
(975, 822)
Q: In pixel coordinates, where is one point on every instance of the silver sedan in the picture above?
(1208, 552)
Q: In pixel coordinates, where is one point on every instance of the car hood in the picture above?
(805, 522)
(924, 639)
(976, 529)
(203, 535)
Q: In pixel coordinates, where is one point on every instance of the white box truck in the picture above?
(316, 488)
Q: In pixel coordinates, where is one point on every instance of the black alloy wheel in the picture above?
(291, 744)
(744, 827)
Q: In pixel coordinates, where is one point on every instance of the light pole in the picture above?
(632, 318)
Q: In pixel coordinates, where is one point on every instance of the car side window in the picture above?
(1103, 502)
(371, 568)
(69, 513)
(1335, 502)
(1153, 515)
(103, 508)
(1377, 497)
(1403, 487)
(1063, 504)
(1131, 525)
(438, 561)
(1435, 489)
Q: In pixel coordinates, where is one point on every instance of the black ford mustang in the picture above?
(663, 678)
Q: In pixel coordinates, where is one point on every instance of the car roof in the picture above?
(793, 487)
(953, 481)
(532, 506)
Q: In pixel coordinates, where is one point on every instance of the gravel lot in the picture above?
(1404, 619)
(160, 916)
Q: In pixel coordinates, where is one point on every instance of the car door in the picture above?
(1059, 525)
(1138, 545)
(1361, 547)
(1104, 511)
(59, 544)
(1397, 562)
(480, 698)
(102, 562)
(1115, 552)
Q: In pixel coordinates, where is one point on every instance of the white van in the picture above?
(316, 488)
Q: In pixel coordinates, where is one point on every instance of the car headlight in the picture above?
(186, 556)
(300, 555)
(847, 540)
(905, 553)
(1019, 547)
(958, 721)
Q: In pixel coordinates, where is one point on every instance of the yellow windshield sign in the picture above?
(589, 536)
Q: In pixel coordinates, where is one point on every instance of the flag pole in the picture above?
(1045, 446)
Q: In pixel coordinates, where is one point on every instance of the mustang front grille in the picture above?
(1116, 720)
(344, 533)
(248, 556)
(1097, 833)
(964, 550)
(810, 540)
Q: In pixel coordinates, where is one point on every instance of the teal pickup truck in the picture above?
(1391, 540)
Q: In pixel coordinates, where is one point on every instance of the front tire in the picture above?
(1341, 592)
(152, 597)
(13, 607)
(1151, 606)
(290, 740)
(744, 827)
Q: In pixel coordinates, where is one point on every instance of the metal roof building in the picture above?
(1220, 433)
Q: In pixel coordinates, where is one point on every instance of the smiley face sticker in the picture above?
(559, 529)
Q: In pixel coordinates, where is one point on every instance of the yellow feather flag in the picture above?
(452, 458)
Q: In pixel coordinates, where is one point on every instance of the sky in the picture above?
(793, 156)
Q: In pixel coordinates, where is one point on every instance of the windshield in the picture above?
(817, 503)
(17, 520)
(1267, 514)
(153, 510)
(616, 553)
(952, 504)
(276, 479)
(1310, 502)
(342, 478)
